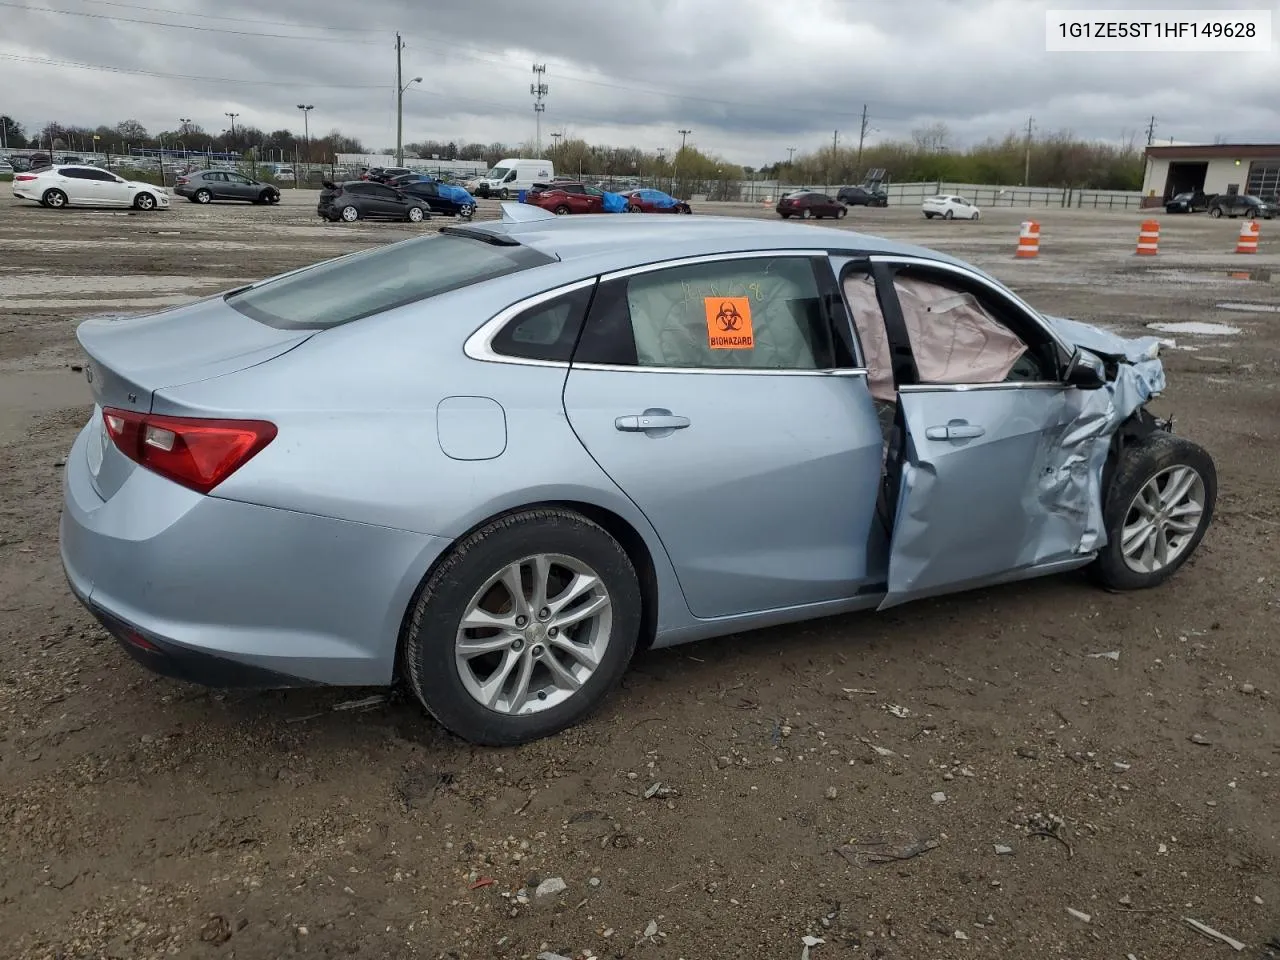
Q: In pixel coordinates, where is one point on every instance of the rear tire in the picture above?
(1148, 474)
(928, 216)
(202, 196)
(55, 199)
(349, 214)
(806, 214)
(447, 685)
(948, 215)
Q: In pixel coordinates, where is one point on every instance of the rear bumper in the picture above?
(229, 593)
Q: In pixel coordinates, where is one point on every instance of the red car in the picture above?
(654, 201)
(808, 203)
(566, 197)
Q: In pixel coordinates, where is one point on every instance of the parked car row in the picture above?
(412, 200)
(564, 197)
(1222, 204)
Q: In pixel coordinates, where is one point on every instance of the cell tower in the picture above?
(539, 90)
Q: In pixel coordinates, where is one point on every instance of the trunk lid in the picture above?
(130, 357)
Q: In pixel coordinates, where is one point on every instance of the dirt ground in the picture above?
(140, 817)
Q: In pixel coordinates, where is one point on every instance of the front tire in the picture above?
(1158, 506)
(1215, 212)
(524, 628)
(415, 215)
(144, 201)
(561, 210)
(504, 194)
(844, 212)
(55, 199)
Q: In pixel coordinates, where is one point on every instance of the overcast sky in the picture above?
(750, 78)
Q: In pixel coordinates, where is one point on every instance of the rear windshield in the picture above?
(369, 282)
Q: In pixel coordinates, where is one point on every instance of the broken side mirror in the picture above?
(1085, 371)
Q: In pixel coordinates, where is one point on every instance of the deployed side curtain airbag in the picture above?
(954, 340)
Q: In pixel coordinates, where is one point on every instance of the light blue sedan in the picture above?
(495, 462)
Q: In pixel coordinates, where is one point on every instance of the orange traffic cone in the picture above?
(1248, 242)
(1029, 240)
(1148, 238)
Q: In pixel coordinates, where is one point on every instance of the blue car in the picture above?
(496, 461)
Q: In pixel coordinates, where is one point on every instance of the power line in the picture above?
(211, 16)
(44, 61)
(186, 26)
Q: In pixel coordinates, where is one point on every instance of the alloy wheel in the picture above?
(1163, 518)
(533, 634)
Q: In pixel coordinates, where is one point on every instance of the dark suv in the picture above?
(862, 197)
(1241, 205)
(362, 200)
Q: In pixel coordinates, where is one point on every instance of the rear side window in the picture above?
(372, 281)
(547, 331)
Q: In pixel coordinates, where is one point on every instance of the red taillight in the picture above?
(181, 180)
(25, 176)
(197, 453)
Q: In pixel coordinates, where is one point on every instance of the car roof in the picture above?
(604, 243)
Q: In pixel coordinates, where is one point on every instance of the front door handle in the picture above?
(650, 421)
(957, 430)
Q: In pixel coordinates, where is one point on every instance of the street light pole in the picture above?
(401, 87)
(306, 109)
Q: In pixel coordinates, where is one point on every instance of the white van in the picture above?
(511, 176)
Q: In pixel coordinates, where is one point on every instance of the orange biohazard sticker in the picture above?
(729, 323)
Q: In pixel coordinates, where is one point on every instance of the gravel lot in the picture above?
(140, 817)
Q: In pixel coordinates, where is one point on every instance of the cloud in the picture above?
(750, 78)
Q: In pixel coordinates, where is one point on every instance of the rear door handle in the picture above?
(651, 421)
(954, 431)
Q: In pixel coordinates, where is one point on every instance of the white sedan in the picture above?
(82, 186)
(949, 208)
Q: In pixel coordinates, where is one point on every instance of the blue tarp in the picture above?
(614, 202)
(659, 199)
(455, 193)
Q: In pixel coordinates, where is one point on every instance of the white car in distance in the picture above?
(63, 186)
(949, 208)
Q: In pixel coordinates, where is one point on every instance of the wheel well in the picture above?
(627, 536)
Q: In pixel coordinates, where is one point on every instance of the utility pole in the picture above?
(862, 136)
(539, 90)
(1151, 131)
(791, 155)
(1026, 167)
(401, 87)
(835, 145)
(684, 136)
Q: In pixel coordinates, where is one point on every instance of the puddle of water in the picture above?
(37, 391)
(1249, 307)
(1196, 328)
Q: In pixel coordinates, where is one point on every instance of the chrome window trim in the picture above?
(967, 387)
(479, 345)
(982, 281)
(736, 371)
(710, 258)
